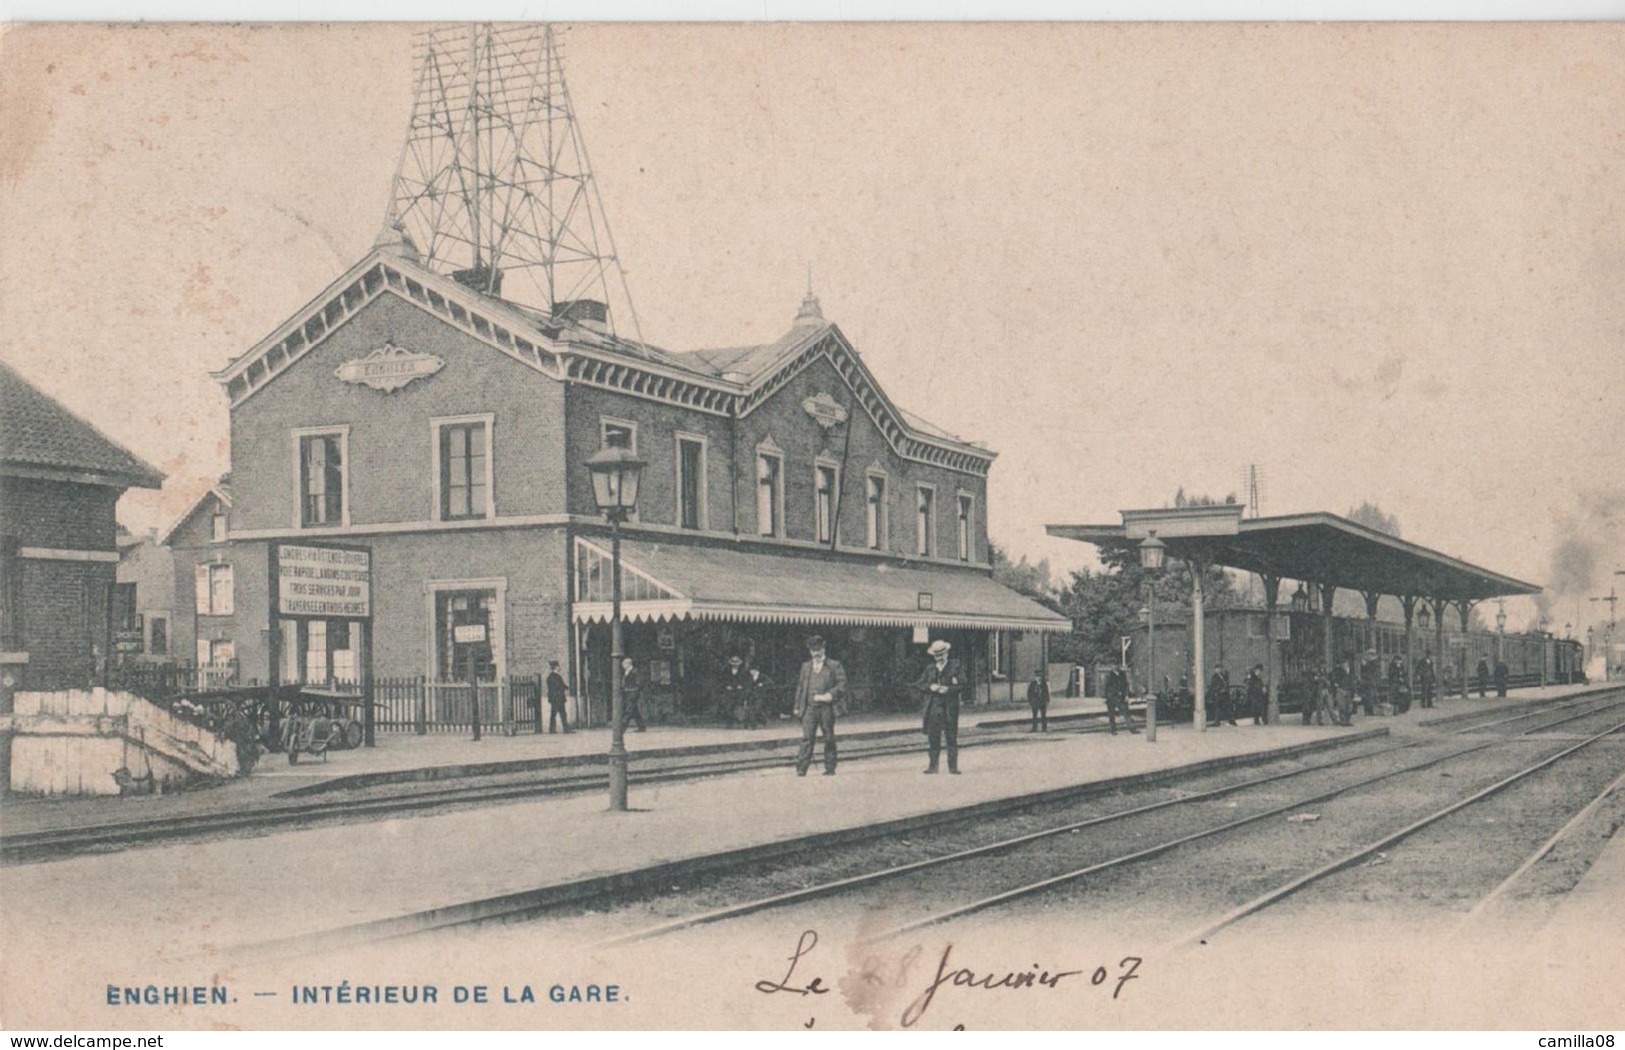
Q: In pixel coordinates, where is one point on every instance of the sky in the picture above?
(1379, 262)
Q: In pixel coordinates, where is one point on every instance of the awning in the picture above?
(672, 581)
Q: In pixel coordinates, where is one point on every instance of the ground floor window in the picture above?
(215, 651)
(327, 651)
(457, 655)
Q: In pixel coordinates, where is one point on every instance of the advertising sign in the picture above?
(328, 582)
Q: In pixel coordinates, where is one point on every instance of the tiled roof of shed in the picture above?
(37, 431)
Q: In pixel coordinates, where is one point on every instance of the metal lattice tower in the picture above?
(494, 186)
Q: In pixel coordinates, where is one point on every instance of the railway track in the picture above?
(34, 846)
(519, 908)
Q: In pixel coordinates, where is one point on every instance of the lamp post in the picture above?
(1153, 552)
(615, 476)
(1500, 630)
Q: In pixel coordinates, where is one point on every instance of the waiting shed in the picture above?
(1323, 551)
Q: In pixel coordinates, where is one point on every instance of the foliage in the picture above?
(1372, 517)
(1022, 577)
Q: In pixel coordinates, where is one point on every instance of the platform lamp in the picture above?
(615, 476)
(1153, 554)
(1500, 630)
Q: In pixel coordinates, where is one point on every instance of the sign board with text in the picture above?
(322, 581)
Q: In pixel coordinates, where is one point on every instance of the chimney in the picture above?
(487, 280)
(588, 313)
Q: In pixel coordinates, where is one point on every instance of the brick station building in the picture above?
(447, 430)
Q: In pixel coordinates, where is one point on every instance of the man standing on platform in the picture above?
(631, 695)
(1257, 695)
(1425, 679)
(1117, 700)
(941, 684)
(821, 686)
(1038, 700)
(736, 691)
(1483, 678)
(557, 694)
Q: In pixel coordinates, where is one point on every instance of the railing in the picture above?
(164, 681)
(423, 705)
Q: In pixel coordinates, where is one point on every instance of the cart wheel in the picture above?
(352, 735)
(293, 756)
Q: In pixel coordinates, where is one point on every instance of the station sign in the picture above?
(321, 581)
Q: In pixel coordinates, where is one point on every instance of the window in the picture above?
(454, 660)
(11, 596)
(618, 433)
(769, 493)
(217, 652)
(321, 479)
(825, 478)
(158, 643)
(219, 528)
(214, 589)
(875, 512)
(966, 504)
(925, 521)
(329, 654)
(691, 482)
(995, 655)
(463, 457)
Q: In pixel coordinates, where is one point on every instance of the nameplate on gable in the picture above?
(389, 367)
(825, 410)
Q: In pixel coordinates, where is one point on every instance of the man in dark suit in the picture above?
(736, 691)
(821, 685)
(1257, 695)
(942, 683)
(1117, 700)
(557, 694)
(762, 703)
(1038, 700)
(631, 695)
(1426, 680)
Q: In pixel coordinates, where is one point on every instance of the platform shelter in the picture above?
(1322, 551)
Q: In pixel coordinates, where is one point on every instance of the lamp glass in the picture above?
(615, 476)
(1153, 553)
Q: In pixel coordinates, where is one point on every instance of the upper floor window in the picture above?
(966, 513)
(769, 493)
(691, 482)
(463, 457)
(322, 479)
(925, 520)
(213, 586)
(825, 479)
(219, 526)
(158, 629)
(875, 512)
(618, 433)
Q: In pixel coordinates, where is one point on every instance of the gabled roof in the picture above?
(725, 382)
(38, 434)
(220, 492)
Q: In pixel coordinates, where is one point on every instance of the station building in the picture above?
(446, 430)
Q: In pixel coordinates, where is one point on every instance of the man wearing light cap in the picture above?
(820, 687)
(941, 684)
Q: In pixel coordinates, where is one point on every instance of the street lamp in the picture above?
(1153, 553)
(615, 476)
(1500, 630)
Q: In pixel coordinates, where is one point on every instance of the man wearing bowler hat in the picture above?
(821, 686)
(941, 684)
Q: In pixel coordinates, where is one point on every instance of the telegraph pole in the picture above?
(1608, 638)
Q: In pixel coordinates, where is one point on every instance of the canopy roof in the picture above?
(662, 581)
(1317, 548)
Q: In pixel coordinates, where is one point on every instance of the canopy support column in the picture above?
(1407, 602)
(1327, 593)
(1272, 592)
(1198, 683)
(1372, 599)
(1465, 608)
(1438, 643)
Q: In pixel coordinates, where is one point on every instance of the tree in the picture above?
(1371, 516)
(1022, 577)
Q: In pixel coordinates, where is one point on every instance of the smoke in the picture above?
(1589, 547)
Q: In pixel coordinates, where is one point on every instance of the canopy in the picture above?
(1318, 548)
(662, 581)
